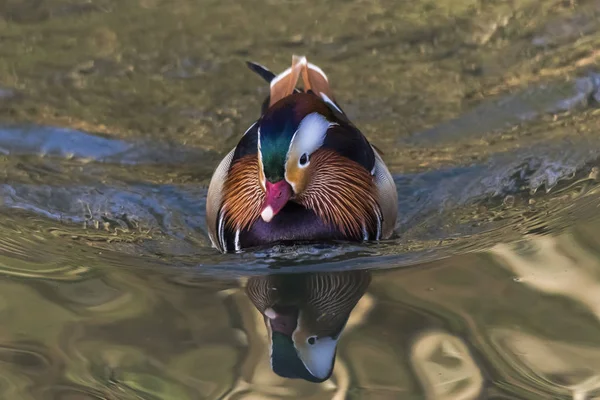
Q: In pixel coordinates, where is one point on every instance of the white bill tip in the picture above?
(267, 214)
(270, 313)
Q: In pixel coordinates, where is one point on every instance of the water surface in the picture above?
(113, 115)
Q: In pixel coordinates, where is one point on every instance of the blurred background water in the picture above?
(113, 115)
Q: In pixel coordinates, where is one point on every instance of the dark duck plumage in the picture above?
(302, 172)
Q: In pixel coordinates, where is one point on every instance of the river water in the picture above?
(114, 113)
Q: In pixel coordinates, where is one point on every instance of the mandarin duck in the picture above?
(305, 315)
(301, 173)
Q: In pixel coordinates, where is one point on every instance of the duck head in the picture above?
(311, 154)
(291, 130)
(305, 315)
(297, 351)
(290, 136)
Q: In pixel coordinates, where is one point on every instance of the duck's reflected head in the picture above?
(296, 352)
(305, 315)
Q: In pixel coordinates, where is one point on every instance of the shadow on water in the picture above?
(114, 115)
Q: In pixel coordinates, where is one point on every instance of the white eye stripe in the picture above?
(310, 134)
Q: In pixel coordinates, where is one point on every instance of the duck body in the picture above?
(301, 173)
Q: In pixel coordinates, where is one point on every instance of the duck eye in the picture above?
(303, 159)
(312, 340)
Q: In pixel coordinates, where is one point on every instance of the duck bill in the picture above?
(284, 320)
(276, 197)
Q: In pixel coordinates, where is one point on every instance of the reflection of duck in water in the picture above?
(305, 315)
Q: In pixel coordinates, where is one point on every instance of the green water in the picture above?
(113, 115)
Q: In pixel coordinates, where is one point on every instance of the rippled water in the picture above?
(113, 115)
